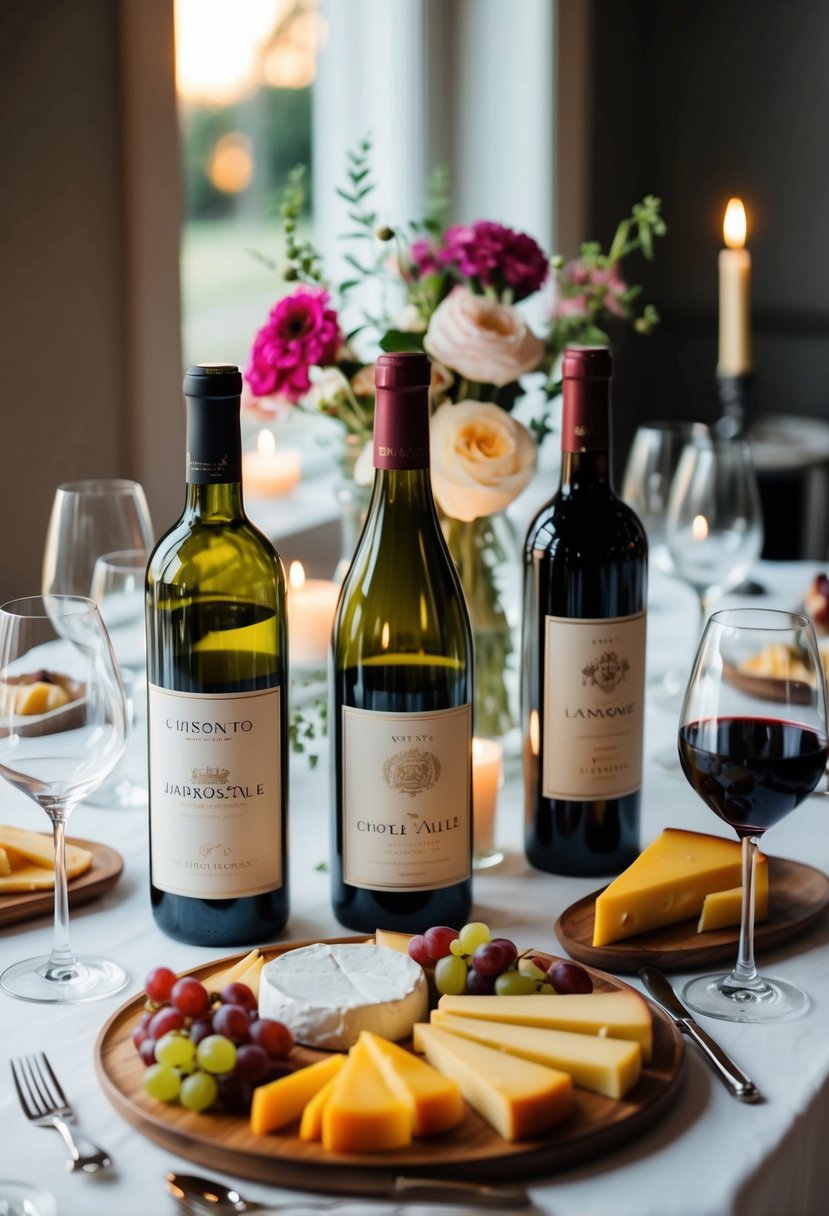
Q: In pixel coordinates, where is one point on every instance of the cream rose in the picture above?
(483, 340)
(482, 458)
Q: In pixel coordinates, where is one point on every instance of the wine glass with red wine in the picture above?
(753, 746)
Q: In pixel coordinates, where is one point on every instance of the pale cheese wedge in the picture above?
(392, 939)
(666, 883)
(519, 1098)
(615, 1015)
(722, 909)
(605, 1066)
(252, 975)
(23, 846)
(229, 975)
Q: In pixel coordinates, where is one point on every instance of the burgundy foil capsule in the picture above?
(585, 423)
(401, 412)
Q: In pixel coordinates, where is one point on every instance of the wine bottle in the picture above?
(217, 695)
(583, 666)
(401, 716)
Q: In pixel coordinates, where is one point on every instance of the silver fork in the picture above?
(44, 1104)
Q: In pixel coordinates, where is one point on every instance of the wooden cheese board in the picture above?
(798, 896)
(102, 874)
(472, 1150)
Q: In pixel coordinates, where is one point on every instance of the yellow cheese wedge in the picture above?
(27, 877)
(519, 1098)
(5, 864)
(434, 1101)
(283, 1100)
(394, 941)
(363, 1114)
(722, 908)
(228, 975)
(252, 975)
(615, 1015)
(606, 1066)
(666, 883)
(23, 846)
(310, 1125)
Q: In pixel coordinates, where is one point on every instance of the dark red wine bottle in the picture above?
(401, 717)
(583, 669)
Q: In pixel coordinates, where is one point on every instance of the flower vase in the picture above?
(487, 554)
(353, 500)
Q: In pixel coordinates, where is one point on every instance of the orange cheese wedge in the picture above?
(434, 1100)
(364, 1114)
(283, 1100)
(310, 1125)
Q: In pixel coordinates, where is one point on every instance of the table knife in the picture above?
(733, 1077)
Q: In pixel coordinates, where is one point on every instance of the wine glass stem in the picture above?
(61, 958)
(744, 974)
(704, 606)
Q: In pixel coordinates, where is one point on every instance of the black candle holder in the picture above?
(735, 394)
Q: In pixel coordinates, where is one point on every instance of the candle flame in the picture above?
(385, 634)
(296, 575)
(734, 224)
(265, 443)
(699, 528)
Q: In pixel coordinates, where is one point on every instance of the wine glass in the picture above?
(90, 518)
(57, 757)
(651, 464)
(118, 590)
(752, 748)
(714, 526)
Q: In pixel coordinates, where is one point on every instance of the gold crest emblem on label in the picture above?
(412, 771)
(606, 672)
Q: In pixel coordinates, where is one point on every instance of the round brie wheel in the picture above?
(328, 994)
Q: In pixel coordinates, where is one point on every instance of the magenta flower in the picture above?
(300, 333)
(422, 255)
(496, 256)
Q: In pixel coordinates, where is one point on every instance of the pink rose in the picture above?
(481, 339)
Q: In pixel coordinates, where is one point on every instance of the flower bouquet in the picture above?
(456, 292)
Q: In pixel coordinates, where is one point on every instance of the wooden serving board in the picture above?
(103, 874)
(798, 895)
(472, 1150)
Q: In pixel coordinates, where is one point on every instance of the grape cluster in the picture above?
(200, 1051)
(475, 962)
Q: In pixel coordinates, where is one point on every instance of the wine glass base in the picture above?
(773, 1001)
(90, 979)
(26, 1199)
(487, 860)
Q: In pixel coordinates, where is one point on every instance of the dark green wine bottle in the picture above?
(217, 696)
(401, 717)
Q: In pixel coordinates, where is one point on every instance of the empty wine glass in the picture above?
(649, 472)
(752, 748)
(118, 590)
(90, 518)
(57, 757)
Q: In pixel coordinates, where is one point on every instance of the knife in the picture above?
(733, 1077)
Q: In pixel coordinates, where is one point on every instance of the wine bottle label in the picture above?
(215, 792)
(594, 699)
(406, 795)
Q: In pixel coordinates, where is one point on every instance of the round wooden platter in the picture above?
(102, 874)
(472, 1150)
(798, 895)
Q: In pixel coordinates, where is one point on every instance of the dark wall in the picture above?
(698, 100)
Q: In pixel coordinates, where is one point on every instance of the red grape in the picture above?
(238, 994)
(276, 1069)
(159, 984)
(232, 1022)
(479, 984)
(146, 1017)
(418, 951)
(274, 1036)
(200, 1030)
(235, 1093)
(190, 997)
(138, 1036)
(252, 1062)
(436, 941)
(165, 1020)
(147, 1052)
(568, 978)
(490, 959)
(509, 949)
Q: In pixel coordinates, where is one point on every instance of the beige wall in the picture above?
(77, 399)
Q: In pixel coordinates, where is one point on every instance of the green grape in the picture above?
(546, 988)
(450, 975)
(162, 1082)
(176, 1050)
(473, 935)
(216, 1054)
(513, 983)
(198, 1091)
(527, 967)
(457, 949)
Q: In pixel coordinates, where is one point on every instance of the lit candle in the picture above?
(311, 606)
(735, 294)
(270, 471)
(487, 778)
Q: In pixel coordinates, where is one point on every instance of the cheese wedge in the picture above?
(434, 1101)
(519, 1098)
(23, 846)
(606, 1066)
(615, 1015)
(723, 908)
(229, 975)
(310, 1125)
(364, 1114)
(392, 939)
(283, 1100)
(666, 883)
(252, 974)
(5, 864)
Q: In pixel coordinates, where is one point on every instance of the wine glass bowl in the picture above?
(56, 758)
(90, 518)
(752, 750)
(651, 465)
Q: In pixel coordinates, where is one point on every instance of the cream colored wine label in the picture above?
(215, 792)
(406, 798)
(594, 701)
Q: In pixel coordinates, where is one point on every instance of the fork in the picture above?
(44, 1104)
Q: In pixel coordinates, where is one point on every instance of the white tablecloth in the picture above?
(708, 1156)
